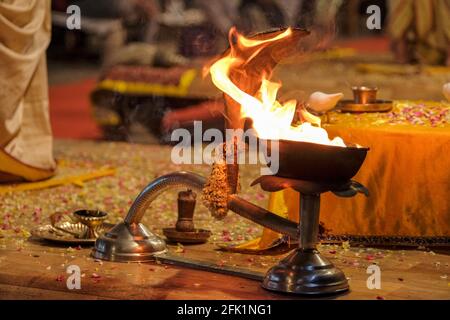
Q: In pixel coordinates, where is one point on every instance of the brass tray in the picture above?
(66, 232)
(191, 237)
(377, 106)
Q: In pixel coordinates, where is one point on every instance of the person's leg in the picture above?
(306, 14)
(401, 19)
(215, 14)
(25, 133)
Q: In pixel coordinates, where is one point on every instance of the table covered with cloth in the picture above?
(407, 172)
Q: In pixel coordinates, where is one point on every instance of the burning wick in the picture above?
(272, 120)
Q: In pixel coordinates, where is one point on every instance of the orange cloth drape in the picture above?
(407, 171)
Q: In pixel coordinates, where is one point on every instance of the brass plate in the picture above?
(196, 236)
(378, 106)
(67, 232)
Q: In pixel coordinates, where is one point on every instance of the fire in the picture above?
(271, 119)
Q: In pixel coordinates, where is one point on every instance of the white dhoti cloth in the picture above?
(25, 131)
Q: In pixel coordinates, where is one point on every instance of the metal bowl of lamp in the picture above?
(317, 162)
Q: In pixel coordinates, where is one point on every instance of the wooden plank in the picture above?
(10, 292)
(123, 281)
(39, 267)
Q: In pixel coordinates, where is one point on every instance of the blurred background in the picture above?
(133, 72)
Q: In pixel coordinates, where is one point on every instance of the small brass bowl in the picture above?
(365, 100)
(365, 95)
(92, 219)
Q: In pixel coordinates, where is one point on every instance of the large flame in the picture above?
(271, 119)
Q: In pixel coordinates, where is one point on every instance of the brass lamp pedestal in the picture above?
(305, 271)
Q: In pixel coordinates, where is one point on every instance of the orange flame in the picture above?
(271, 119)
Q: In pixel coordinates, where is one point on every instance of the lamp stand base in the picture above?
(305, 272)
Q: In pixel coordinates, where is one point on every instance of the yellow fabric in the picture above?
(16, 168)
(389, 69)
(429, 20)
(407, 172)
(25, 132)
(181, 89)
(75, 179)
(283, 203)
